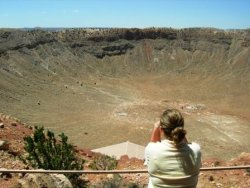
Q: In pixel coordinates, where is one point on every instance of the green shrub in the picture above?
(103, 162)
(112, 183)
(47, 152)
(116, 182)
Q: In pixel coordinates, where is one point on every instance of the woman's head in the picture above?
(172, 124)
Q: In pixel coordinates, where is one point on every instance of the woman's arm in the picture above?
(156, 133)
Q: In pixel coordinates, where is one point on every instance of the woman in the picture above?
(172, 161)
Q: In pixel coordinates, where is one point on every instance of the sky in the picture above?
(222, 14)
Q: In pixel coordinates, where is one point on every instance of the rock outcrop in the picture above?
(21, 40)
(44, 180)
(97, 41)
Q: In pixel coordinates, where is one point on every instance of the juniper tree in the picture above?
(47, 152)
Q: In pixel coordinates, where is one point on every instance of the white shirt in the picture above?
(171, 166)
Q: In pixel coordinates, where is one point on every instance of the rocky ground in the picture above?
(12, 132)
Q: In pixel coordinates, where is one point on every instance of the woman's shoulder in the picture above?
(160, 146)
(194, 146)
(154, 146)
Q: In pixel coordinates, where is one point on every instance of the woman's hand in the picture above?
(156, 133)
(157, 125)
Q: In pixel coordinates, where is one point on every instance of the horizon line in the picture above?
(153, 27)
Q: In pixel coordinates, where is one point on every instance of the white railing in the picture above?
(113, 171)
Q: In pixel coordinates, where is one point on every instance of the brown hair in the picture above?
(172, 124)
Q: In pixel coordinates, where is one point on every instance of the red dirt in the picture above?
(14, 131)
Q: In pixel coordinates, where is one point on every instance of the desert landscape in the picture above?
(106, 86)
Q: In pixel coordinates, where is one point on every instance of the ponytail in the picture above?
(172, 124)
(178, 134)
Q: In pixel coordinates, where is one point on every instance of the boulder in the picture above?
(44, 180)
(61, 180)
(1, 125)
(4, 145)
(5, 175)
